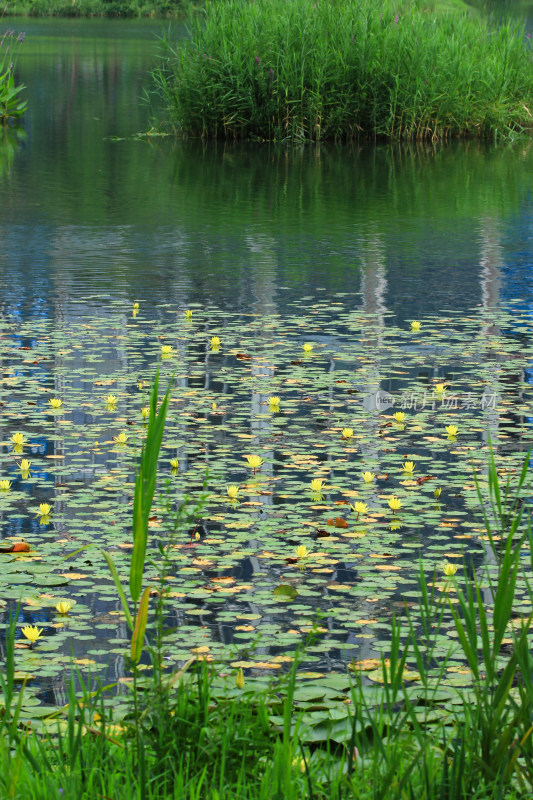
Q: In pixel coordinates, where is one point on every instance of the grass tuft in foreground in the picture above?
(341, 70)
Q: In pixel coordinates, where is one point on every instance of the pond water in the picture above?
(271, 248)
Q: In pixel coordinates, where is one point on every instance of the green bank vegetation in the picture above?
(12, 106)
(207, 731)
(345, 70)
(96, 8)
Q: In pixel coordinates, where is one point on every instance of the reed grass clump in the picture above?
(343, 69)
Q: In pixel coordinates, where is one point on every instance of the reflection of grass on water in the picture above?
(334, 71)
(10, 140)
(213, 734)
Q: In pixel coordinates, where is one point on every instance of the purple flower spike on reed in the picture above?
(21, 37)
(396, 20)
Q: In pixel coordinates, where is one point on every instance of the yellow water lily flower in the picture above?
(254, 462)
(136, 306)
(274, 400)
(399, 416)
(239, 678)
(317, 484)
(368, 477)
(122, 438)
(110, 399)
(18, 439)
(25, 465)
(439, 388)
(32, 632)
(302, 551)
(347, 433)
(409, 467)
(215, 342)
(449, 569)
(64, 606)
(5, 485)
(232, 491)
(360, 508)
(415, 325)
(213, 406)
(308, 347)
(55, 402)
(437, 493)
(452, 430)
(44, 509)
(188, 313)
(394, 503)
(166, 349)
(145, 412)
(174, 463)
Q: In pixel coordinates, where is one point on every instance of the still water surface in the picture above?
(93, 219)
(416, 229)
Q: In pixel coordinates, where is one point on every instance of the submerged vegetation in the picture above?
(345, 70)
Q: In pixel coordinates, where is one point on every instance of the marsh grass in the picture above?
(344, 70)
(205, 737)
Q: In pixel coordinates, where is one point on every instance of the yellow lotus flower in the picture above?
(409, 467)
(136, 306)
(439, 388)
(449, 569)
(360, 508)
(437, 493)
(122, 438)
(64, 606)
(55, 402)
(188, 313)
(415, 326)
(399, 416)
(394, 503)
(197, 536)
(274, 400)
(44, 509)
(25, 465)
(302, 551)
(213, 406)
(368, 477)
(5, 485)
(32, 632)
(451, 430)
(308, 347)
(174, 463)
(140, 385)
(347, 433)
(239, 678)
(166, 349)
(18, 439)
(215, 342)
(232, 491)
(317, 484)
(145, 412)
(254, 462)
(110, 399)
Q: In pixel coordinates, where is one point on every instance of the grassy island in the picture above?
(345, 70)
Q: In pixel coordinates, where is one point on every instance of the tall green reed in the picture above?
(343, 69)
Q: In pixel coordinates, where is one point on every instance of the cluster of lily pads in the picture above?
(322, 501)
